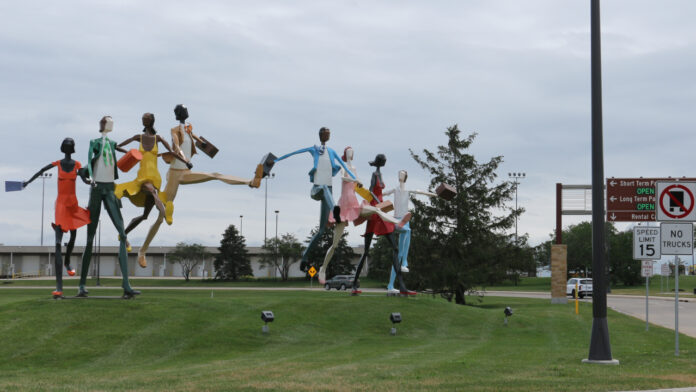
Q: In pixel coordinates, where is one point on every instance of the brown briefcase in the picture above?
(207, 147)
(446, 191)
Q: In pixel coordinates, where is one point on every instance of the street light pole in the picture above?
(265, 209)
(276, 241)
(44, 176)
(516, 177)
(240, 224)
(600, 348)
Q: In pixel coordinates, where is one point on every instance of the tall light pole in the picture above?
(276, 241)
(516, 177)
(265, 208)
(240, 224)
(43, 176)
(600, 348)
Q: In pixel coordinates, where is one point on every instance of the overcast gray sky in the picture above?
(385, 76)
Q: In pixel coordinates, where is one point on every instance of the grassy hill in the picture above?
(188, 341)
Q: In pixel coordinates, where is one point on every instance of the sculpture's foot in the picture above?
(258, 176)
(169, 212)
(70, 270)
(355, 292)
(392, 292)
(322, 275)
(404, 269)
(128, 294)
(57, 294)
(142, 261)
(406, 293)
(82, 292)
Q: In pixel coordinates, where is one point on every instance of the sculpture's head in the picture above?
(68, 146)
(380, 161)
(324, 134)
(148, 120)
(403, 175)
(106, 124)
(181, 112)
(347, 154)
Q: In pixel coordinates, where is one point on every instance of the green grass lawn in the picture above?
(188, 341)
(72, 282)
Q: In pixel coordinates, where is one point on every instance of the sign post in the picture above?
(646, 247)
(664, 271)
(646, 271)
(312, 271)
(676, 239)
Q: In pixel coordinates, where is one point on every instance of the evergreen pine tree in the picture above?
(462, 244)
(233, 260)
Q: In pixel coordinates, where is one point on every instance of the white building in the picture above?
(39, 261)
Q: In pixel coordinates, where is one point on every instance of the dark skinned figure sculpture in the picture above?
(180, 174)
(377, 226)
(69, 215)
(101, 171)
(144, 190)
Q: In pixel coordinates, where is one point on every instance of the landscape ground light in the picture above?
(395, 319)
(267, 317)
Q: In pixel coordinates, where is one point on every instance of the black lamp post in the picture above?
(600, 347)
(516, 177)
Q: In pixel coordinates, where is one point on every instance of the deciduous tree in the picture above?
(281, 253)
(188, 256)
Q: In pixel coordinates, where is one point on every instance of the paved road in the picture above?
(661, 309)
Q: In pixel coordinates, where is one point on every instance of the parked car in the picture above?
(340, 282)
(584, 287)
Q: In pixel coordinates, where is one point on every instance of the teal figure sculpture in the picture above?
(102, 172)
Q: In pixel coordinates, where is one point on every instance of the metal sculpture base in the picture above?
(602, 362)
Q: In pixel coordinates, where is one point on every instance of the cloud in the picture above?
(385, 77)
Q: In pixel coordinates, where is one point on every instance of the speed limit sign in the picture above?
(646, 243)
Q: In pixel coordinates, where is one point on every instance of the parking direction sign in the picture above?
(675, 201)
(664, 270)
(646, 270)
(646, 243)
(676, 238)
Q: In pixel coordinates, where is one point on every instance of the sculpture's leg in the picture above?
(68, 252)
(112, 207)
(58, 264)
(338, 232)
(149, 203)
(170, 191)
(323, 193)
(368, 241)
(395, 263)
(94, 207)
(196, 178)
(404, 243)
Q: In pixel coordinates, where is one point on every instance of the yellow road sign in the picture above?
(312, 271)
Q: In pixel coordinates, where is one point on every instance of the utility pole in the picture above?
(265, 208)
(600, 348)
(44, 176)
(516, 177)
